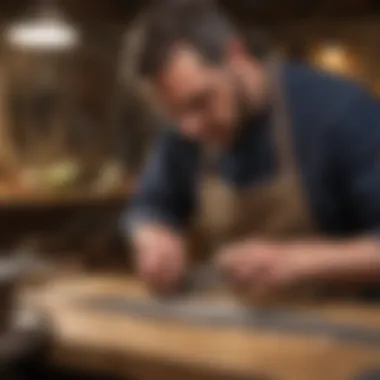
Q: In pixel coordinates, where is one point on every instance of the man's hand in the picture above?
(161, 258)
(259, 267)
(256, 267)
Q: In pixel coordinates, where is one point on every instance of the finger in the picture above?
(170, 270)
(246, 270)
(280, 278)
(275, 281)
(170, 275)
(243, 253)
(147, 261)
(230, 258)
(150, 268)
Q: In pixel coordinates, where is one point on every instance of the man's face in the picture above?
(202, 99)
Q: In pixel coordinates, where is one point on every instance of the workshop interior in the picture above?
(75, 133)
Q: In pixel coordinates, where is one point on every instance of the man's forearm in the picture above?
(356, 260)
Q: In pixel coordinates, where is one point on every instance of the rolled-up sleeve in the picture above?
(357, 148)
(165, 193)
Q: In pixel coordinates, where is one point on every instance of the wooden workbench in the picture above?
(152, 349)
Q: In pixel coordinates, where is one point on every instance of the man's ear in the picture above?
(148, 92)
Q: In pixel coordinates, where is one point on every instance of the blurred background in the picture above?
(74, 128)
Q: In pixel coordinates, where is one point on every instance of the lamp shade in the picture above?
(43, 34)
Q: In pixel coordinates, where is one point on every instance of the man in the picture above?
(317, 177)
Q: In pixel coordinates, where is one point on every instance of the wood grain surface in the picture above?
(151, 349)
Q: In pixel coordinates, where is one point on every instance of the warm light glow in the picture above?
(43, 34)
(333, 58)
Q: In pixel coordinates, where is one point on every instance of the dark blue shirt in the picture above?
(336, 137)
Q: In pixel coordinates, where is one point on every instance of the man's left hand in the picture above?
(259, 267)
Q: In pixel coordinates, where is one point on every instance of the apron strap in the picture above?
(281, 119)
(283, 134)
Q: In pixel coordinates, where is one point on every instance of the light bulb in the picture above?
(43, 34)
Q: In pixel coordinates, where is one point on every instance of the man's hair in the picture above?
(197, 23)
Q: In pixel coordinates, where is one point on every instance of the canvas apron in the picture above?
(274, 210)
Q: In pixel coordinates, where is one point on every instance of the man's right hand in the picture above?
(161, 257)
